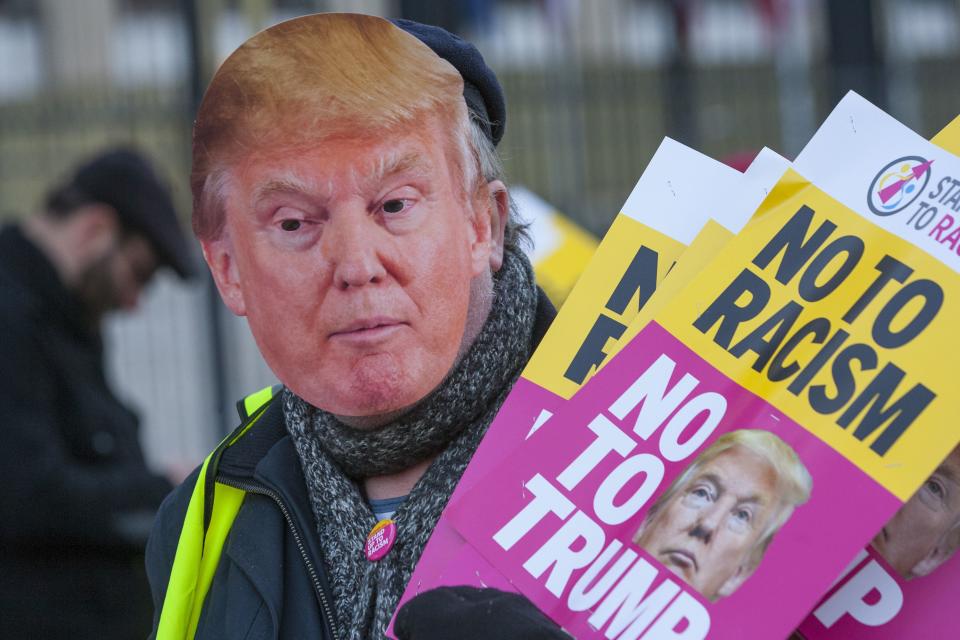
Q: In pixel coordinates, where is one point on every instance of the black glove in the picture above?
(468, 613)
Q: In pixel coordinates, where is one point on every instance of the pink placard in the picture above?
(560, 516)
(872, 601)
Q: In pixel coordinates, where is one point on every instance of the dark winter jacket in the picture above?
(77, 500)
(271, 580)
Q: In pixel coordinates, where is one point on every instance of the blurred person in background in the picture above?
(350, 204)
(78, 500)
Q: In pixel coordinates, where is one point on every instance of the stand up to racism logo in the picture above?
(898, 184)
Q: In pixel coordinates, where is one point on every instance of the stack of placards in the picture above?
(743, 422)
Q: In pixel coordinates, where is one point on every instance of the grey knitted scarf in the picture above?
(450, 421)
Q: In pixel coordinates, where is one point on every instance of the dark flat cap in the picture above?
(481, 89)
(125, 180)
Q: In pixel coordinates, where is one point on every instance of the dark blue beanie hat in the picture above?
(481, 90)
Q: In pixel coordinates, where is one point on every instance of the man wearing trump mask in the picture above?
(351, 205)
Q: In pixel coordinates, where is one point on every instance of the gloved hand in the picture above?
(469, 613)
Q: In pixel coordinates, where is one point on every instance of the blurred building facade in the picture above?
(592, 87)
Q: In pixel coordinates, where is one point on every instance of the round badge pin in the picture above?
(380, 539)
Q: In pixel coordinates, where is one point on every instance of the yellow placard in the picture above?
(558, 272)
(704, 248)
(949, 137)
(814, 323)
(631, 260)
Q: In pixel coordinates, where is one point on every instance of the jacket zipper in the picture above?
(318, 589)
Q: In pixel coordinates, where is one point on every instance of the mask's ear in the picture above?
(223, 267)
(500, 206)
(491, 208)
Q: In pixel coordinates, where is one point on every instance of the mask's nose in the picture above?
(351, 243)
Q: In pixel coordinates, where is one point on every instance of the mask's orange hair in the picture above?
(311, 78)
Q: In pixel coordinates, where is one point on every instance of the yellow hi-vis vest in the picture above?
(210, 514)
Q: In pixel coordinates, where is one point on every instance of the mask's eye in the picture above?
(394, 206)
(290, 225)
